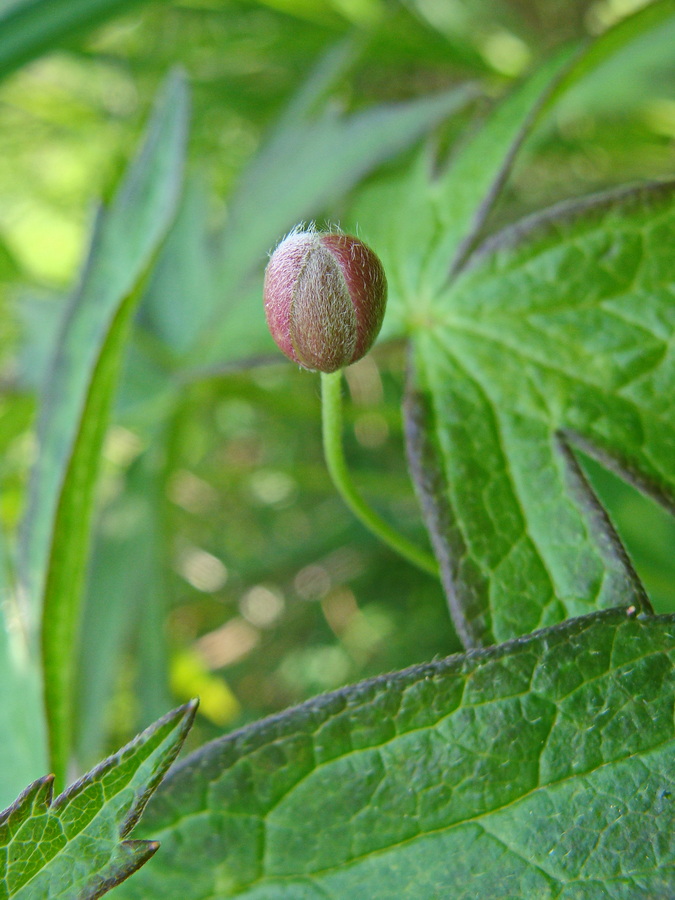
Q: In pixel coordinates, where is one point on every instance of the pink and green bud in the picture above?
(325, 296)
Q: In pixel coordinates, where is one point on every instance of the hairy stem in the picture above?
(331, 410)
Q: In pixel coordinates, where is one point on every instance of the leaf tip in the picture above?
(134, 855)
(185, 716)
(141, 851)
(37, 796)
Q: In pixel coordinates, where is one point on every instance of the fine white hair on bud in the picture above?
(325, 294)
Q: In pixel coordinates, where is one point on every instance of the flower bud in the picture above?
(325, 296)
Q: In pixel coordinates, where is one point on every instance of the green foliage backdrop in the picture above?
(178, 535)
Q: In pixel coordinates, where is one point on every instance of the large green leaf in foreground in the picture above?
(73, 848)
(542, 768)
(559, 333)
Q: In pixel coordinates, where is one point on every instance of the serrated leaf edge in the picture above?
(186, 713)
(38, 795)
(139, 853)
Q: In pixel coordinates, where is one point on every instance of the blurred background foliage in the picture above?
(224, 564)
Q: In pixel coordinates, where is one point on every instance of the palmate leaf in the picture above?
(521, 541)
(558, 333)
(541, 768)
(74, 847)
(440, 213)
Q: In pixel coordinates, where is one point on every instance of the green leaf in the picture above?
(483, 478)
(439, 217)
(23, 742)
(77, 398)
(40, 320)
(464, 197)
(73, 848)
(558, 333)
(180, 294)
(541, 768)
(126, 595)
(37, 26)
(22, 729)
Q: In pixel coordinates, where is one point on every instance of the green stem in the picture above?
(331, 410)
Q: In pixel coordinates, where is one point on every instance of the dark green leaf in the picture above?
(559, 333)
(542, 768)
(73, 848)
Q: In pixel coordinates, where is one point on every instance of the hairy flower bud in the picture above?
(325, 296)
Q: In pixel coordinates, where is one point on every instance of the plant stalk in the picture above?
(332, 420)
